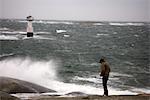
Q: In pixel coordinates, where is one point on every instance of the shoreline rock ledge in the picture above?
(12, 86)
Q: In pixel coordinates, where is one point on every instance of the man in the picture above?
(104, 72)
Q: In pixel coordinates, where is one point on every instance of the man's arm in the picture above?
(102, 70)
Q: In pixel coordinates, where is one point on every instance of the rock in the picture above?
(93, 97)
(76, 94)
(10, 85)
(6, 96)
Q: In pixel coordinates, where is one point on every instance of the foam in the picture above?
(141, 90)
(8, 37)
(9, 32)
(6, 55)
(39, 37)
(59, 22)
(17, 35)
(113, 74)
(28, 69)
(101, 34)
(94, 80)
(66, 35)
(4, 29)
(126, 24)
(42, 33)
(44, 73)
(61, 31)
(48, 22)
(98, 24)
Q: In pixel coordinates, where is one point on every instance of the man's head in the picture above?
(102, 60)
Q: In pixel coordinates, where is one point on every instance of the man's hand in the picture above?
(100, 74)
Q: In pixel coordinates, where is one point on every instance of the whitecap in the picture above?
(141, 90)
(9, 32)
(66, 35)
(94, 80)
(8, 37)
(61, 31)
(25, 96)
(58, 22)
(126, 24)
(114, 33)
(6, 55)
(22, 21)
(97, 24)
(101, 34)
(52, 22)
(4, 29)
(136, 35)
(42, 33)
(114, 74)
(40, 37)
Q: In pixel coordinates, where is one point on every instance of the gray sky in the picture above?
(92, 10)
(0, 8)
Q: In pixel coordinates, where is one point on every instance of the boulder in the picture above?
(11, 85)
(6, 96)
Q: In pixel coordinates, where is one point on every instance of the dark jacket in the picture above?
(105, 69)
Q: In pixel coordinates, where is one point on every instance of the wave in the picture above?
(61, 31)
(58, 22)
(66, 35)
(22, 21)
(141, 90)
(42, 33)
(48, 22)
(45, 73)
(23, 37)
(4, 29)
(23, 33)
(39, 37)
(97, 24)
(93, 80)
(9, 32)
(6, 55)
(101, 34)
(29, 69)
(8, 37)
(115, 74)
(126, 24)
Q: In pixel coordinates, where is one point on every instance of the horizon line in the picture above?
(80, 20)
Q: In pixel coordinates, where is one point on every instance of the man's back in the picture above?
(105, 69)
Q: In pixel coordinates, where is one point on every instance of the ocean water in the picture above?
(64, 55)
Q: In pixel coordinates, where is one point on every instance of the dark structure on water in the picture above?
(29, 26)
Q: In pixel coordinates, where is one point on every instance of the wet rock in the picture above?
(6, 96)
(10, 85)
(76, 94)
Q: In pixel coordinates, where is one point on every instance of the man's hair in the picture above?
(102, 60)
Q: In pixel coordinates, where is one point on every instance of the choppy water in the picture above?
(64, 55)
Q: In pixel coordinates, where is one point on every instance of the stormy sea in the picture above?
(64, 55)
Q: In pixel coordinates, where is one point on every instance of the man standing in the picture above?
(104, 72)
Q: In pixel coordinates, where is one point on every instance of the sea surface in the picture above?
(64, 55)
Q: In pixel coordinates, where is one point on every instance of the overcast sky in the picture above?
(92, 10)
